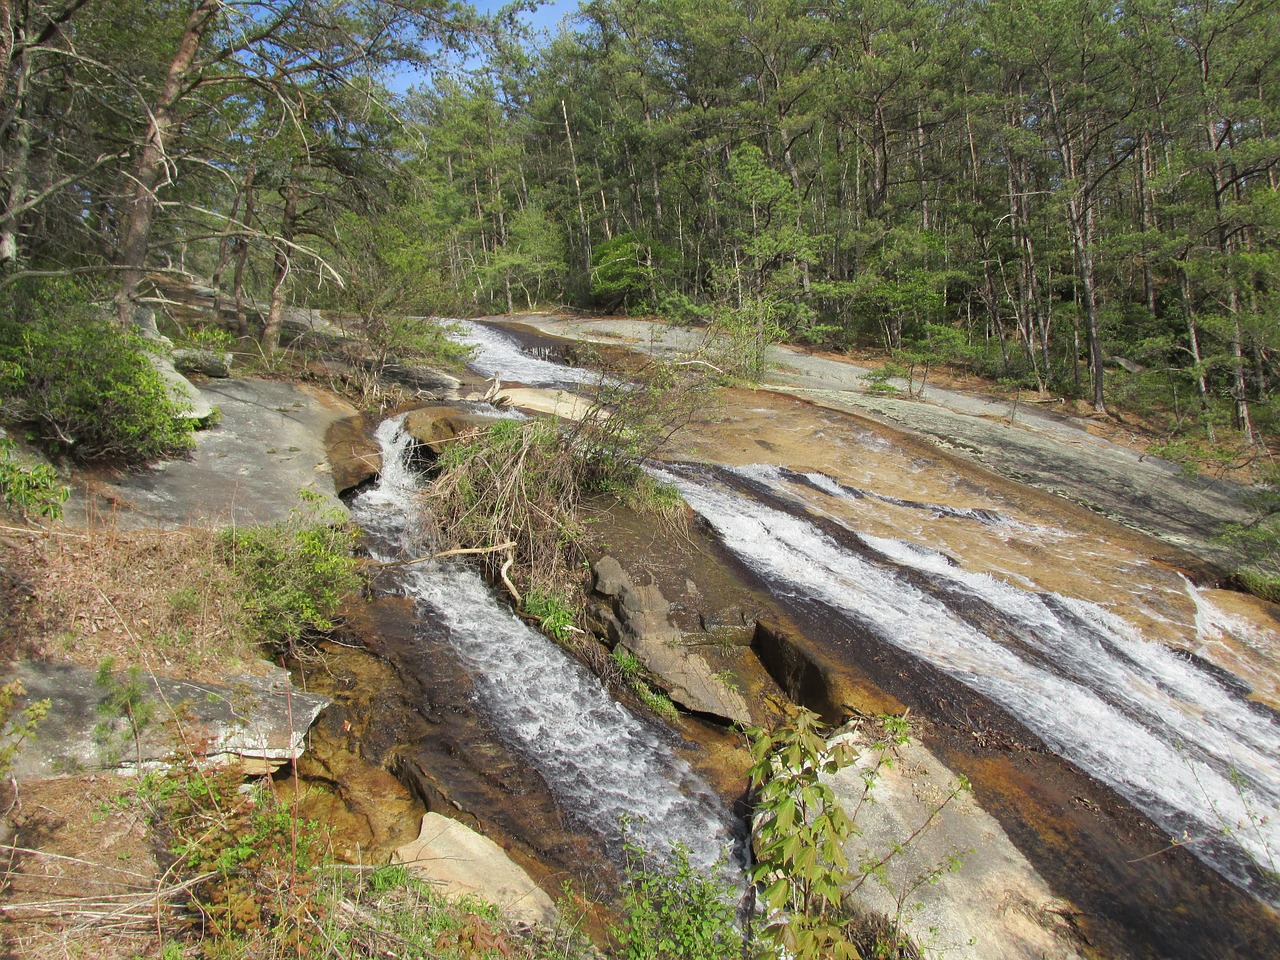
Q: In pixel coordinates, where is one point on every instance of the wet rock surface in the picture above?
(354, 457)
(407, 706)
(944, 867)
(435, 427)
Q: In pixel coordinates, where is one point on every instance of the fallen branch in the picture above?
(455, 552)
(510, 586)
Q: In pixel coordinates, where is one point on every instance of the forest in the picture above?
(1073, 196)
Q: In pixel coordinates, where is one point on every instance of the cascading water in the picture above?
(1171, 737)
(601, 762)
(496, 354)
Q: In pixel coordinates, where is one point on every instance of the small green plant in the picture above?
(28, 489)
(628, 663)
(656, 700)
(125, 697)
(674, 910)
(295, 574)
(877, 380)
(211, 338)
(633, 676)
(801, 831)
(17, 725)
(553, 613)
(1257, 541)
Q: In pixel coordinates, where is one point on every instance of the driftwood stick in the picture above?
(456, 552)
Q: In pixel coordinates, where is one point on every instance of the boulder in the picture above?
(959, 886)
(260, 721)
(424, 380)
(437, 427)
(635, 617)
(208, 363)
(354, 456)
(460, 862)
(183, 391)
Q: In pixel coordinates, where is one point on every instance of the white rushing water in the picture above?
(600, 761)
(1166, 734)
(497, 354)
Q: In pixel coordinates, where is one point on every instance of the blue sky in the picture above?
(546, 17)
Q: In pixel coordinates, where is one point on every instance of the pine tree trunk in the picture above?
(147, 172)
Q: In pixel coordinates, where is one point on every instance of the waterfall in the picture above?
(1169, 736)
(497, 354)
(600, 761)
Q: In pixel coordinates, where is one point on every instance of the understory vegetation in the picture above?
(517, 489)
(80, 385)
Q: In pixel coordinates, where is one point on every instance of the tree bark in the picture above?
(288, 230)
(163, 127)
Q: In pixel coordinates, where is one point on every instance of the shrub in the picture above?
(553, 613)
(673, 910)
(16, 724)
(81, 385)
(518, 483)
(30, 488)
(295, 574)
(1257, 542)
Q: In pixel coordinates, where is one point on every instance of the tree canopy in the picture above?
(1071, 186)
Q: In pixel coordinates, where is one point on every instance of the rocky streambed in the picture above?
(1063, 850)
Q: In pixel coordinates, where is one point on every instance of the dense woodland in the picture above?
(1033, 188)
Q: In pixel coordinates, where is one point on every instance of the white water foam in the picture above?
(500, 355)
(1166, 735)
(600, 761)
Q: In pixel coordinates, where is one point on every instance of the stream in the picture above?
(1167, 734)
(1176, 737)
(599, 761)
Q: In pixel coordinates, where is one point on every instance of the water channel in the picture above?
(1108, 659)
(601, 762)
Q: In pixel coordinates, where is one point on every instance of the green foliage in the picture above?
(29, 489)
(295, 574)
(801, 831)
(627, 663)
(518, 483)
(125, 697)
(1258, 541)
(554, 614)
(740, 337)
(260, 881)
(636, 678)
(625, 271)
(522, 482)
(673, 910)
(877, 380)
(81, 385)
(17, 725)
(938, 344)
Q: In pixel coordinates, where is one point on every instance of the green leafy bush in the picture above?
(674, 910)
(553, 612)
(295, 574)
(1257, 542)
(30, 488)
(83, 386)
(16, 724)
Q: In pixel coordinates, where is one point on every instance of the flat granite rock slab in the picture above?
(268, 444)
(261, 720)
(460, 862)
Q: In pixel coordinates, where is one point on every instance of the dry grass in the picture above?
(161, 599)
(79, 877)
